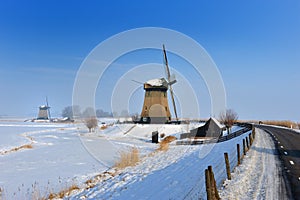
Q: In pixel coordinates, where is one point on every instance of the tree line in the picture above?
(73, 112)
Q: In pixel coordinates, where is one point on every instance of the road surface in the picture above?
(288, 144)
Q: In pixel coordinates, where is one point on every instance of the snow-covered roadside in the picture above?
(259, 175)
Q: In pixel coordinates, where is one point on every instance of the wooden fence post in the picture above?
(215, 194)
(244, 147)
(250, 139)
(238, 154)
(211, 181)
(227, 166)
(208, 185)
(253, 132)
(247, 143)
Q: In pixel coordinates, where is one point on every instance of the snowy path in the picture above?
(259, 175)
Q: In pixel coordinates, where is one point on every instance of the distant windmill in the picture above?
(44, 112)
(156, 108)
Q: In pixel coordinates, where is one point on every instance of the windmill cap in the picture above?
(159, 82)
(44, 106)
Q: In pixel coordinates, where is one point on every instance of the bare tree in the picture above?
(91, 123)
(228, 118)
(71, 112)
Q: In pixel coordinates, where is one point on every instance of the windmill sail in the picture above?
(170, 82)
(48, 109)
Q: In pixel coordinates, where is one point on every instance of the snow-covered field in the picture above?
(65, 155)
(56, 159)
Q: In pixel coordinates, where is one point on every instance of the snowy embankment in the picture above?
(259, 176)
(175, 174)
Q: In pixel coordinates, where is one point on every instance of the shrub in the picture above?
(91, 123)
(164, 144)
(128, 158)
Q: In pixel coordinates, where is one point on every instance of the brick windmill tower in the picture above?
(156, 108)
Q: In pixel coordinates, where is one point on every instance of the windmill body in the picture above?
(43, 113)
(155, 108)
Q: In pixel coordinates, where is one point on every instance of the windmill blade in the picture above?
(48, 108)
(137, 82)
(173, 102)
(166, 63)
(169, 81)
(172, 80)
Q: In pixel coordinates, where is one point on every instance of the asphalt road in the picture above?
(288, 144)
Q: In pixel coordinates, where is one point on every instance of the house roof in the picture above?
(217, 122)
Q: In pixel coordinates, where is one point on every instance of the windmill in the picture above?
(156, 108)
(44, 112)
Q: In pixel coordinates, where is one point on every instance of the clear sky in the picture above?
(255, 44)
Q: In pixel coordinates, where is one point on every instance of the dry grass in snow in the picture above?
(128, 158)
(26, 146)
(164, 144)
(63, 193)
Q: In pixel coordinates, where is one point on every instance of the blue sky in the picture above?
(255, 44)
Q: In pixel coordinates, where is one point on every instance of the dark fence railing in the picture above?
(192, 141)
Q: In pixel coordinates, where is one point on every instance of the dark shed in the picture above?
(212, 128)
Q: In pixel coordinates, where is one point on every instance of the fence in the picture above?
(221, 166)
(247, 127)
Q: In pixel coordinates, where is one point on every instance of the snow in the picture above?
(157, 82)
(13, 134)
(65, 154)
(259, 176)
(44, 106)
(232, 130)
(175, 174)
(56, 160)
